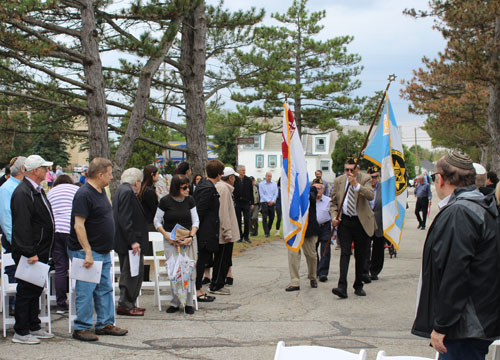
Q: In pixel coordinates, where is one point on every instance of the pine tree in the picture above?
(318, 76)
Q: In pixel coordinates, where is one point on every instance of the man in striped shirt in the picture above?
(61, 199)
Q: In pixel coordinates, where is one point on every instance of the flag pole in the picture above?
(391, 78)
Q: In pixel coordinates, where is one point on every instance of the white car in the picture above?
(80, 168)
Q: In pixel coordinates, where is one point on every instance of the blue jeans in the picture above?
(470, 349)
(99, 295)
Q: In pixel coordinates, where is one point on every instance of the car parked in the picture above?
(80, 168)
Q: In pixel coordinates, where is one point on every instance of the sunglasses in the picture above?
(347, 170)
(185, 187)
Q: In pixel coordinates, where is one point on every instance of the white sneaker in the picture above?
(42, 334)
(277, 233)
(25, 339)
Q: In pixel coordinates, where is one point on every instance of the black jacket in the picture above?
(460, 294)
(243, 190)
(32, 223)
(312, 222)
(207, 205)
(129, 218)
(149, 204)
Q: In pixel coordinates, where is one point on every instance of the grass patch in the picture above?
(258, 240)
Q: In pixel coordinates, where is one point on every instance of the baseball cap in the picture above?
(480, 170)
(228, 172)
(34, 162)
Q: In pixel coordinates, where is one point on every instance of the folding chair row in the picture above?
(323, 353)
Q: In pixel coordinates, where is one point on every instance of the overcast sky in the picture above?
(388, 42)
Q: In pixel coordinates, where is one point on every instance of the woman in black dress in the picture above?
(149, 201)
(178, 207)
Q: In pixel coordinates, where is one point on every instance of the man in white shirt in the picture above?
(268, 192)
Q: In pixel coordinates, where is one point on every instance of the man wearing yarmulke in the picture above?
(459, 291)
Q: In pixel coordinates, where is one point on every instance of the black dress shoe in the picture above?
(314, 284)
(248, 241)
(359, 292)
(341, 293)
(189, 310)
(374, 277)
(172, 309)
(292, 288)
(366, 279)
(323, 278)
(422, 228)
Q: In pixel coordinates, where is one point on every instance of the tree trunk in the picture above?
(141, 104)
(97, 119)
(494, 104)
(193, 50)
(484, 156)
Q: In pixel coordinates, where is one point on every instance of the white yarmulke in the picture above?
(480, 170)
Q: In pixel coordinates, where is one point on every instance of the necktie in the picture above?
(351, 206)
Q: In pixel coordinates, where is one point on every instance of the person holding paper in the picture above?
(131, 235)
(32, 237)
(91, 239)
(178, 207)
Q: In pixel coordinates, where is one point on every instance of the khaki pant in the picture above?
(309, 248)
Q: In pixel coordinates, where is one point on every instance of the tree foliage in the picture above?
(348, 145)
(318, 76)
(460, 90)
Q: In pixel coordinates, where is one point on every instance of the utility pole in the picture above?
(416, 153)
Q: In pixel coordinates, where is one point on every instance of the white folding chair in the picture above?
(382, 356)
(10, 289)
(160, 273)
(314, 352)
(496, 350)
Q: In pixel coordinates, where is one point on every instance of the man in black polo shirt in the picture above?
(91, 238)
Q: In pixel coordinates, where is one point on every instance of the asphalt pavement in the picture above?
(248, 323)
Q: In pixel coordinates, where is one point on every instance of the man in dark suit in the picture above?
(131, 234)
(375, 265)
(355, 221)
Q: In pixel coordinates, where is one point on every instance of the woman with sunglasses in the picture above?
(178, 207)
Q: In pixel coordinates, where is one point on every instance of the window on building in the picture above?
(259, 161)
(256, 143)
(324, 165)
(281, 160)
(272, 161)
(320, 144)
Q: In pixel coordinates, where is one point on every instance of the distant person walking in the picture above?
(268, 192)
(423, 194)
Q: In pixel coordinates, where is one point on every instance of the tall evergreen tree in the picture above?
(466, 77)
(318, 76)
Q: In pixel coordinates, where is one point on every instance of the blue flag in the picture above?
(386, 151)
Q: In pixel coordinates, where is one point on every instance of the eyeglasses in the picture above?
(347, 170)
(185, 187)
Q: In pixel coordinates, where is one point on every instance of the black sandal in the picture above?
(205, 298)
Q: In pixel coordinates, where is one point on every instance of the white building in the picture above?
(265, 155)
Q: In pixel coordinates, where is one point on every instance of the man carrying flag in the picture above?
(355, 221)
(295, 204)
(386, 151)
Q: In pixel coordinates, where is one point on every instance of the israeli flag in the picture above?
(294, 184)
(386, 151)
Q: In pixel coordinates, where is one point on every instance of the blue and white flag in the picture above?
(386, 151)
(294, 184)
